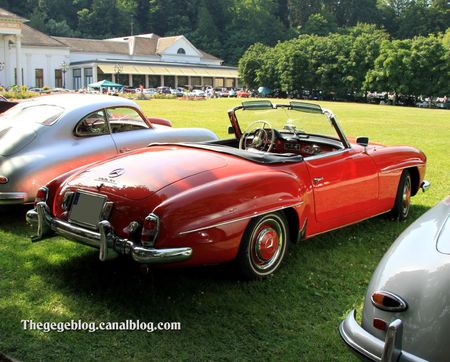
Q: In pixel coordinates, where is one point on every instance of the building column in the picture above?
(83, 85)
(201, 82)
(189, 82)
(146, 81)
(176, 81)
(94, 74)
(130, 80)
(161, 80)
(48, 79)
(6, 70)
(28, 70)
(19, 59)
(236, 83)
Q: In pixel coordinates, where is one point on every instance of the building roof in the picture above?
(166, 42)
(94, 45)
(5, 14)
(34, 37)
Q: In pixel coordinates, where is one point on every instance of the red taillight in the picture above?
(150, 230)
(3, 180)
(41, 195)
(388, 301)
(379, 324)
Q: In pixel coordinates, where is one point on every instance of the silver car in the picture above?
(406, 315)
(50, 135)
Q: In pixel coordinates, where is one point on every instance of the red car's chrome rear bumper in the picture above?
(105, 239)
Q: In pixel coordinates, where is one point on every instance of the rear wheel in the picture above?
(403, 198)
(263, 246)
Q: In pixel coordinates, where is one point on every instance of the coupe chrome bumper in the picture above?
(105, 239)
(10, 198)
(372, 348)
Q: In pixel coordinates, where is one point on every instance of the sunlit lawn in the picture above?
(291, 316)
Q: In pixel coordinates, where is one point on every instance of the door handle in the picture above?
(122, 150)
(316, 180)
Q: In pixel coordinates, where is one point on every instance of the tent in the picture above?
(105, 84)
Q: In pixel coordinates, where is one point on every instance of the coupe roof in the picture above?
(74, 101)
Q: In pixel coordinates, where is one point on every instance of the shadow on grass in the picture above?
(118, 280)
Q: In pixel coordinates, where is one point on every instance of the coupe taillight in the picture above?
(388, 301)
(3, 180)
(42, 195)
(150, 230)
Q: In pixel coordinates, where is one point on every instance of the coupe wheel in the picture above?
(403, 198)
(263, 246)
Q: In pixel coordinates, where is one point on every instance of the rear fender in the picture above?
(227, 201)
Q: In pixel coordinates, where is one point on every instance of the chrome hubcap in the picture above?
(266, 244)
(406, 196)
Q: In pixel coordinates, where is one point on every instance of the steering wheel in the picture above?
(263, 136)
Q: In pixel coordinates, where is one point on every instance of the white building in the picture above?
(148, 60)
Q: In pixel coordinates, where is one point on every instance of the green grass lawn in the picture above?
(292, 316)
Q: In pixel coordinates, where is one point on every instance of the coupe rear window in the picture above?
(44, 114)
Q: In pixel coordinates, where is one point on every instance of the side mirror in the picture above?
(363, 141)
(231, 130)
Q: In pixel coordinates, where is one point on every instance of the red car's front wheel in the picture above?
(263, 246)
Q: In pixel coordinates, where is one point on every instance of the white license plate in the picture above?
(87, 209)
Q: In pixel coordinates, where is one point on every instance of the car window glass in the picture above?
(45, 114)
(92, 125)
(123, 119)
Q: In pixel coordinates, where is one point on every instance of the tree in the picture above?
(251, 63)
(391, 70)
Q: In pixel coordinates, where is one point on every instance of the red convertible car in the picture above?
(291, 174)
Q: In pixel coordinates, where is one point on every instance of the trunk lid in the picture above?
(139, 174)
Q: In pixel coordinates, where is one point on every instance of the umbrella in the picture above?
(264, 91)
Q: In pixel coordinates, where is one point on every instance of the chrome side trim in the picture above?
(384, 171)
(13, 198)
(350, 223)
(239, 219)
(106, 240)
(322, 155)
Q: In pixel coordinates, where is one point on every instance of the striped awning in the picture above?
(171, 70)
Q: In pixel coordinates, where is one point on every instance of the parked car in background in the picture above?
(177, 92)
(291, 174)
(241, 93)
(197, 93)
(163, 90)
(46, 136)
(5, 104)
(406, 315)
(232, 93)
(149, 91)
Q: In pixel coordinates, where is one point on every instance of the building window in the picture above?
(154, 81)
(169, 81)
(183, 81)
(181, 51)
(77, 78)
(39, 77)
(230, 83)
(219, 82)
(207, 81)
(196, 81)
(138, 80)
(58, 78)
(88, 76)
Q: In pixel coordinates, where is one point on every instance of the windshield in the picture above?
(297, 118)
(44, 114)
